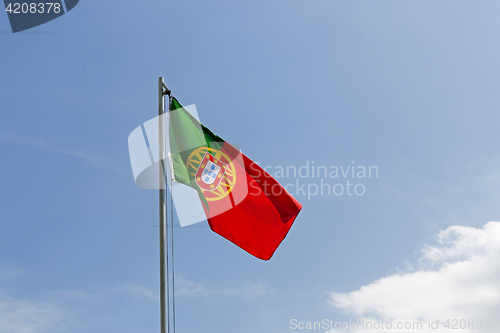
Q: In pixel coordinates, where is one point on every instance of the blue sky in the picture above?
(410, 87)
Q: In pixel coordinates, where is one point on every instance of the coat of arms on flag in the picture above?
(210, 172)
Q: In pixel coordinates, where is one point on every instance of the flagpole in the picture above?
(163, 208)
(164, 283)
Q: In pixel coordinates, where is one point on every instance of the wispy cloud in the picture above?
(24, 315)
(457, 278)
(99, 294)
(89, 158)
(28, 317)
(9, 272)
(57, 311)
(461, 194)
(193, 289)
(135, 290)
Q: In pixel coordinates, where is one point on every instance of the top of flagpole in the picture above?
(166, 90)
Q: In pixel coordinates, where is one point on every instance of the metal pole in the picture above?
(163, 208)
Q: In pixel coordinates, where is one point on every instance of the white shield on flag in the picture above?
(210, 172)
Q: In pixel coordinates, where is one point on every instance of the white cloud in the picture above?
(458, 278)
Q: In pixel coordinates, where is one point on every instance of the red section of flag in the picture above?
(259, 221)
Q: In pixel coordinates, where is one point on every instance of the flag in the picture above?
(241, 201)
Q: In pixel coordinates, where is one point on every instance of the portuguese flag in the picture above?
(242, 202)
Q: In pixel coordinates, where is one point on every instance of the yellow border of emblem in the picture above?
(226, 184)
